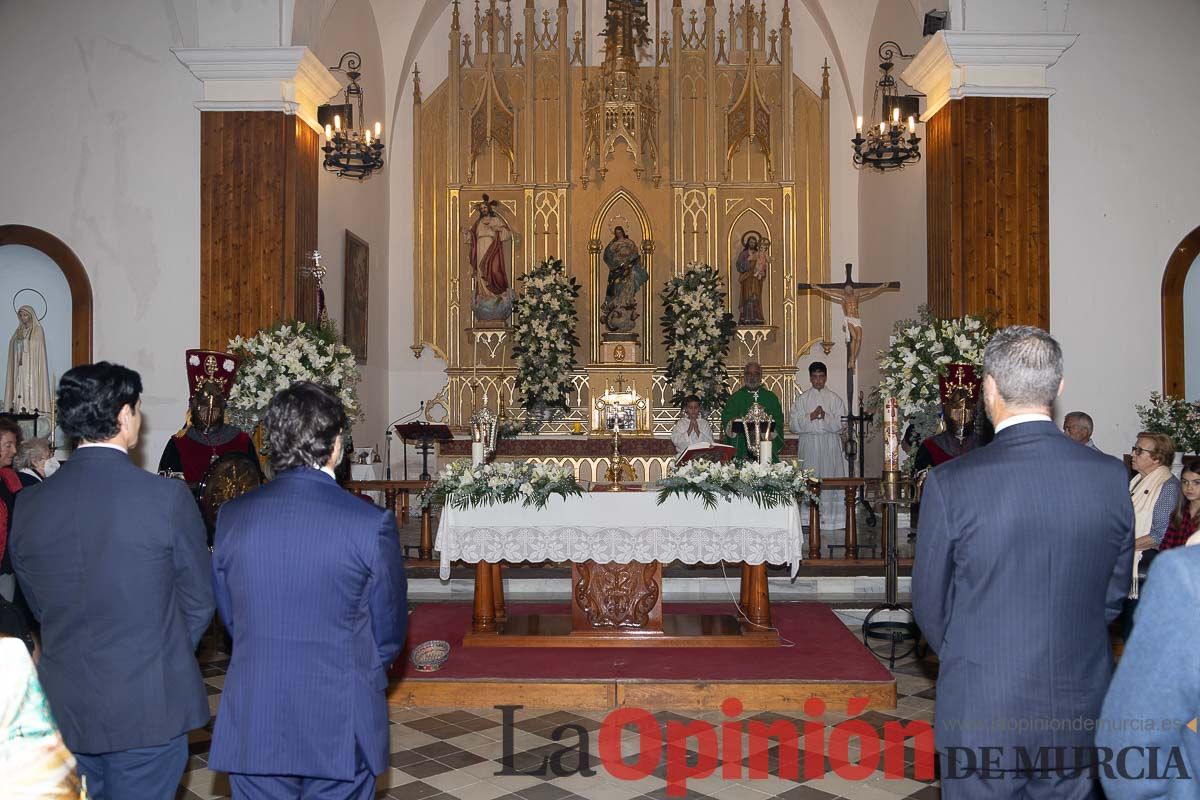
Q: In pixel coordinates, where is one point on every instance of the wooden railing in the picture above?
(397, 495)
(851, 486)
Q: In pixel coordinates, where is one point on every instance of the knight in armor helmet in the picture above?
(958, 391)
(206, 436)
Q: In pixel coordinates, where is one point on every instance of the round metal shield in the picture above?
(230, 476)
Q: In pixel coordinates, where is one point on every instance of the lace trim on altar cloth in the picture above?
(690, 545)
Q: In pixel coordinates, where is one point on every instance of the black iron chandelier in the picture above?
(349, 151)
(884, 146)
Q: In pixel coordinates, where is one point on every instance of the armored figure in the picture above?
(205, 436)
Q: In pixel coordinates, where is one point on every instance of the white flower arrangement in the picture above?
(462, 485)
(544, 336)
(697, 331)
(1175, 417)
(275, 358)
(919, 354)
(768, 485)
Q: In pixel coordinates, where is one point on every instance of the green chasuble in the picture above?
(736, 408)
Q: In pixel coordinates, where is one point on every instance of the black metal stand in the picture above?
(857, 424)
(897, 634)
(424, 447)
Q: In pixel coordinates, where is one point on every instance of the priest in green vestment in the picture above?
(739, 403)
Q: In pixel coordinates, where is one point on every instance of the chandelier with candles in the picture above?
(884, 146)
(351, 152)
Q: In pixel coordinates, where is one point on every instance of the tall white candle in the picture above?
(476, 453)
(891, 434)
(764, 452)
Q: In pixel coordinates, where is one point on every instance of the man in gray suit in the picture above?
(1023, 558)
(113, 562)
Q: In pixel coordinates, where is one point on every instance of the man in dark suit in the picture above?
(113, 563)
(310, 582)
(1023, 558)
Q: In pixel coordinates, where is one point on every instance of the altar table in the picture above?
(616, 543)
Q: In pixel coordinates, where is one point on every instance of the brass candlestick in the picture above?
(618, 465)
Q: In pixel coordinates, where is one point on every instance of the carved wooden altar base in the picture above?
(619, 605)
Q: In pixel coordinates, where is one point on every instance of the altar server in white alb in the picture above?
(691, 429)
(817, 415)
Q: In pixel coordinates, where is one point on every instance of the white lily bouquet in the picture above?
(921, 350)
(697, 331)
(461, 485)
(768, 485)
(274, 358)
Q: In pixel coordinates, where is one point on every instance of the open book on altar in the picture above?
(703, 451)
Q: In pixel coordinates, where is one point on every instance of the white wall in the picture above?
(104, 154)
(1120, 199)
(362, 208)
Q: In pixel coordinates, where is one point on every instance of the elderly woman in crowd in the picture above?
(10, 484)
(15, 619)
(34, 461)
(1154, 492)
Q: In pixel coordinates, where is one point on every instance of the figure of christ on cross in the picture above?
(848, 295)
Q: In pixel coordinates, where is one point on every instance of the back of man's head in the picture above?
(1026, 364)
(302, 424)
(91, 396)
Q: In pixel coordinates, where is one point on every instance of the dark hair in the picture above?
(10, 425)
(1027, 365)
(302, 424)
(817, 366)
(691, 398)
(90, 398)
(1182, 511)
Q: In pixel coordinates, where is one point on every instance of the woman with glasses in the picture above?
(1153, 490)
(1186, 518)
(1155, 495)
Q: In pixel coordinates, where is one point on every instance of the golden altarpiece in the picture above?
(695, 144)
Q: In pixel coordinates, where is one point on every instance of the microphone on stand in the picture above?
(387, 439)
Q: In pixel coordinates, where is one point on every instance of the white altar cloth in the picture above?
(621, 527)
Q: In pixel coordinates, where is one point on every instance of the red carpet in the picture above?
(825, 650)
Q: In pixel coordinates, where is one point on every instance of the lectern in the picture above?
(423, 435)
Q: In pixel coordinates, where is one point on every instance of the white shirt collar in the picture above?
(1020, 418)
(109, 445)
(328, 472)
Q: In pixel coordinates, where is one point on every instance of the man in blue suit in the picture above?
(310, 583)
(1023, 558)
(1149, 714)
(113, 563)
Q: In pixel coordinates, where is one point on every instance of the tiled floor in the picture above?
(460, 753)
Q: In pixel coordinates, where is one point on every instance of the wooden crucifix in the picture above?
(848, 295)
